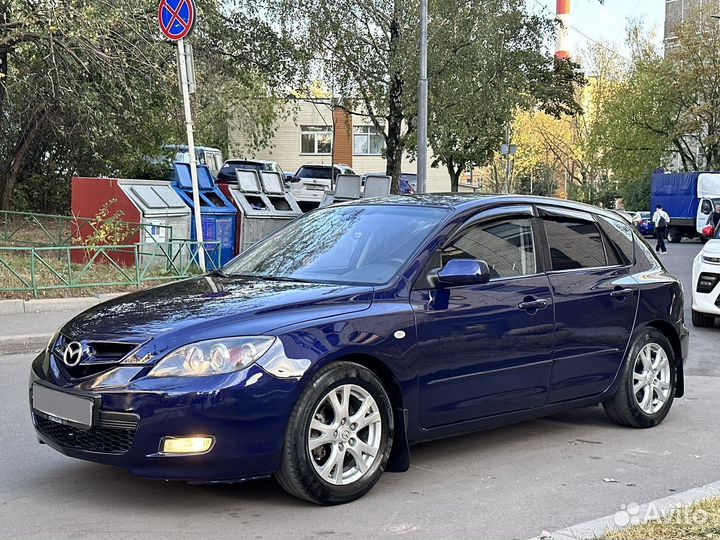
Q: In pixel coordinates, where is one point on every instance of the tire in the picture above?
(643, 409)
(702, 320)
(332, 472)
(673, 235)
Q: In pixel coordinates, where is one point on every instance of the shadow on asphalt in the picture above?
(100, 482)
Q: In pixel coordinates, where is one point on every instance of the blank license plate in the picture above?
(63, 407)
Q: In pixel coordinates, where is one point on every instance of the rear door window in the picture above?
(574, 243)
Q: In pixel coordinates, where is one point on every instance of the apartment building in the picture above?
(676, 11)
(319, 133)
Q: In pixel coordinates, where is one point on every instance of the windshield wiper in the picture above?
(283, 278)
(218, 272)
(268, 278)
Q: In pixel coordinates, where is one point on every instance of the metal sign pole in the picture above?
(191, 151)
(422, 102)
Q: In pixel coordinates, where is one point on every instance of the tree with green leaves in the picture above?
(484, 59)
(365, 51)
(633, 134)
(487, 60)
(669, 104)
(88, 87)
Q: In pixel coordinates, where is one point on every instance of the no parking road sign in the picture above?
(176, 18)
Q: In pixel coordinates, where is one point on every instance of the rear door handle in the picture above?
(533, 305)
(622, 293)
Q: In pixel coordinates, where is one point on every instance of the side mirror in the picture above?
(464, 272)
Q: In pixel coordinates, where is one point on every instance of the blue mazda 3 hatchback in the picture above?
(326, 350)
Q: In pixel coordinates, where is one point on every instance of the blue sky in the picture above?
(607, 22)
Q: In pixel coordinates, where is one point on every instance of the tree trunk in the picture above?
(394, 151)
(4, 53)
(395, 145)
(454, 175)
(9, 177)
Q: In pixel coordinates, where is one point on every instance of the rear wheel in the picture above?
(339, 436)
(673, 235)
(647, 389)
(702, 320)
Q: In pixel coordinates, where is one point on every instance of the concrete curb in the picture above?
(21, 344)
(11, 307)
(596, 528)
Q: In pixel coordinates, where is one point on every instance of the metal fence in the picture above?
(35, 269)
(46, 230)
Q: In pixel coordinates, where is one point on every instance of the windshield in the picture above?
(315, 172)
(253, 165)
(364, 245)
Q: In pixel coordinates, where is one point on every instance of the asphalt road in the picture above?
(510, 482)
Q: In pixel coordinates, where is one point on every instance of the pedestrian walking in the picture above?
(661, 221)
(714, 217)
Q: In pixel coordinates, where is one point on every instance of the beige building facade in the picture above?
(318, 133)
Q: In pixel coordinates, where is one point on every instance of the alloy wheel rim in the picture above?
(651, 378)
(345, 434)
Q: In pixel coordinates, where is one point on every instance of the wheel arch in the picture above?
(400, 454)
(669, 332)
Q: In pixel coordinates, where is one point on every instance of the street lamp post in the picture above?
(422, 102)
(508, 150)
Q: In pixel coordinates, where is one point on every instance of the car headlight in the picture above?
(213, 357)
(52, 341)
(711, 260)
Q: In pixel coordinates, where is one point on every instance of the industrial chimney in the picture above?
(562, 49)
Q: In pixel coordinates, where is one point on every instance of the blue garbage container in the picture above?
(218, 215)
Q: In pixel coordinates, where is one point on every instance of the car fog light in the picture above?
(186, 445)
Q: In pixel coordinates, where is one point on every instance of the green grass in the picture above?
(700, 521)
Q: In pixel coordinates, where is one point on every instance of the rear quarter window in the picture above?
(620, 241)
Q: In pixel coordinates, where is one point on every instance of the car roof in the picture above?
(239, 160)
(469, 201)
(184, 147)
(323, 166)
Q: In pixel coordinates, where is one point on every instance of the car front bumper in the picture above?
(246, 413)
(705, 302)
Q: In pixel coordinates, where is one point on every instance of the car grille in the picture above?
(104, 356)
(100, 439)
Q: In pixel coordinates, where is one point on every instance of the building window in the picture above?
(368, 141)
(316, 140)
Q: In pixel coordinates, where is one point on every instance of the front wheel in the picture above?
(647, 388)
(339, 437)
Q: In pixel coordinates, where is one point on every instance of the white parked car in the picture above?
(310, 182)
(706, 283)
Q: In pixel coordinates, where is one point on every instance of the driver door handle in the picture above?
(622, 293)
(533, 305)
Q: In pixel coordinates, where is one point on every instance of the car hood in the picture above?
(216, 305)
(712, 248)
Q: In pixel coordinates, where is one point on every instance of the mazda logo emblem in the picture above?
(73, 354)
